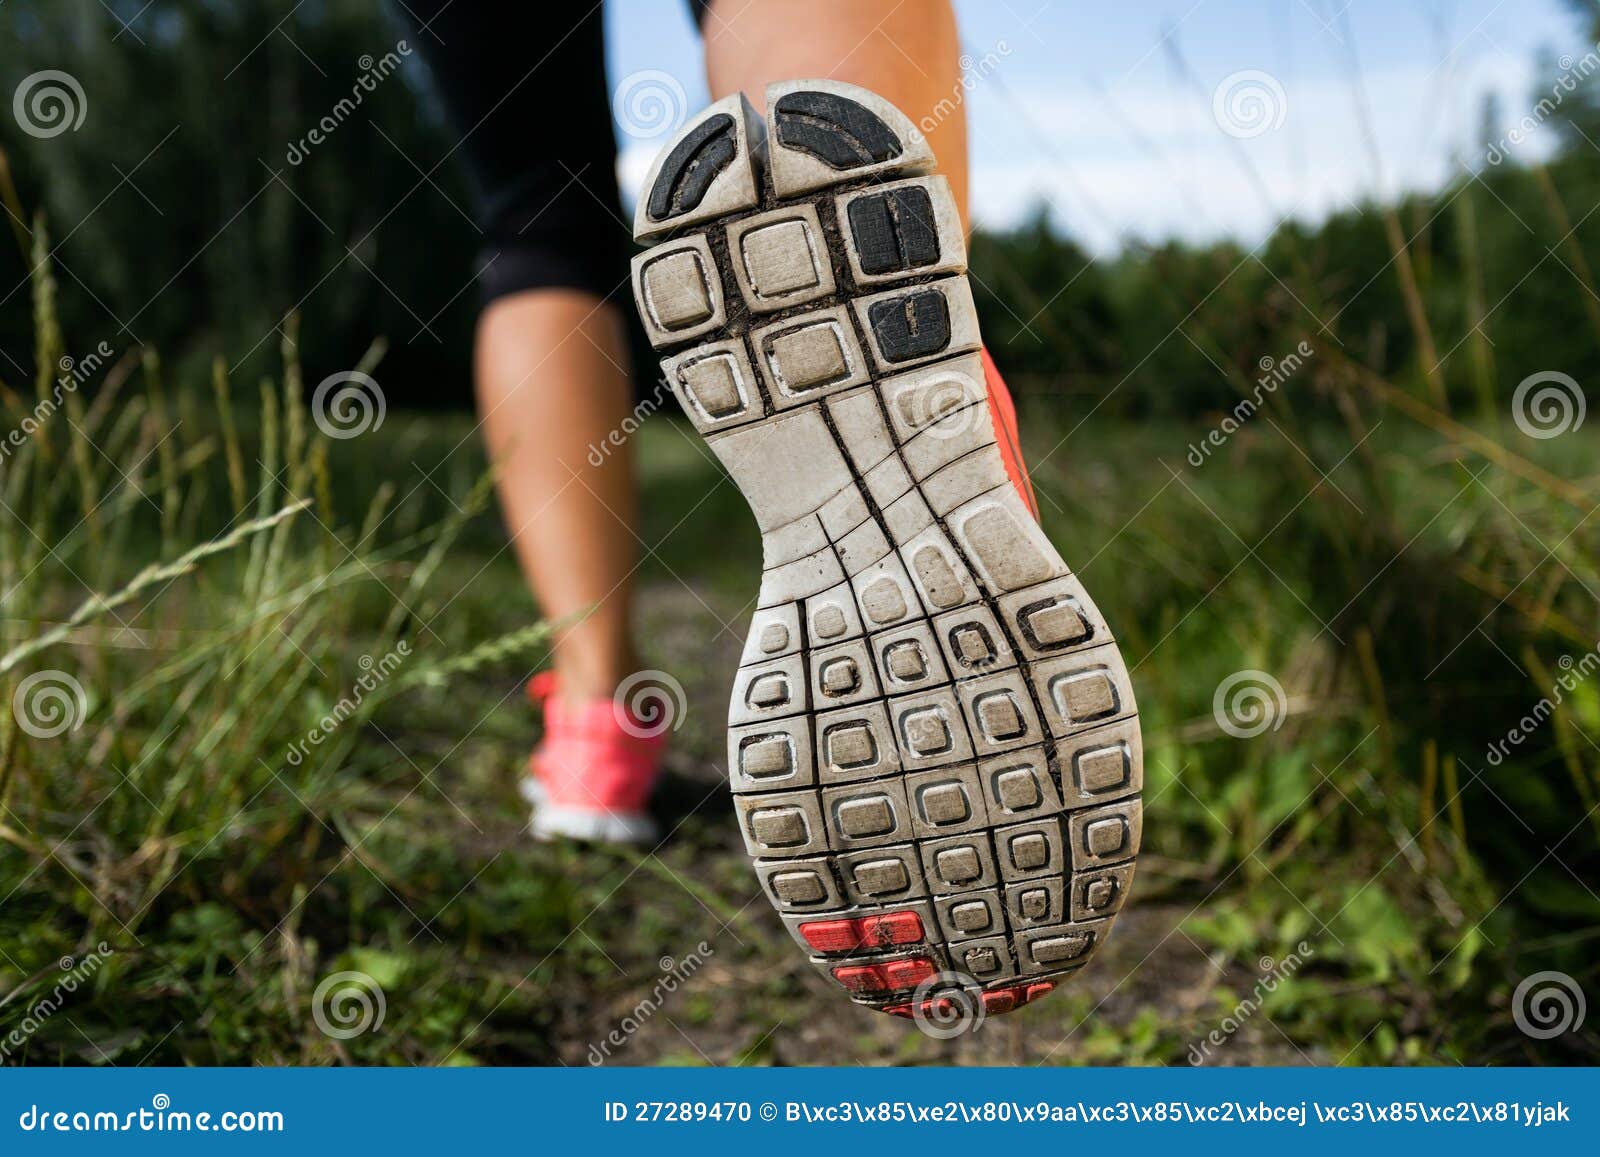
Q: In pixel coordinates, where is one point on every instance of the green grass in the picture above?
(219, 579)
(228, 883)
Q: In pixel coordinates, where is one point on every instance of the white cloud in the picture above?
(1155, 164)
(633, 162)
(1151, 163)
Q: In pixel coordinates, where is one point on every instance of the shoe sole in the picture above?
(551, 821)
(932, 739)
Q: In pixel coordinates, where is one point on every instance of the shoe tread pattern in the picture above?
(933, 742)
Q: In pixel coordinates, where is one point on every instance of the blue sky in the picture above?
(1107, 114)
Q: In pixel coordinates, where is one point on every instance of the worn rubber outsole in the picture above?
(932, 739)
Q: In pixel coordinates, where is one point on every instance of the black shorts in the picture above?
(524, 86)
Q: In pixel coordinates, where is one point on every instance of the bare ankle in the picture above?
(586, 680)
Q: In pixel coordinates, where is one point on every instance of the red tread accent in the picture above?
(908, 973)
(831, 935)
(890, 928)
(885, 931)
(1002, 1000)
(885, 977)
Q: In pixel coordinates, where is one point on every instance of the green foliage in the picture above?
(1373, 533)
(197, 806)
(228, 215)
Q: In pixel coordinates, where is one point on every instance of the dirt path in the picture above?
(753, 998)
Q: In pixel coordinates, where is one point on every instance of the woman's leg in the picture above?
(551, 361)
(906, 51)
(552, 385)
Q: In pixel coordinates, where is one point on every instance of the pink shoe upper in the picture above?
(594, 754)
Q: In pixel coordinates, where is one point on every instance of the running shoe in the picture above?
(932, 739)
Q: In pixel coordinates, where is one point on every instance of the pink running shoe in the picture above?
(591, 775)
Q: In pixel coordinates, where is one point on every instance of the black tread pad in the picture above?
(894, 231)
(692, 165)
(912, 326)
(839, 132)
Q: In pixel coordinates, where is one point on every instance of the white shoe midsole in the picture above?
(551, 820)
